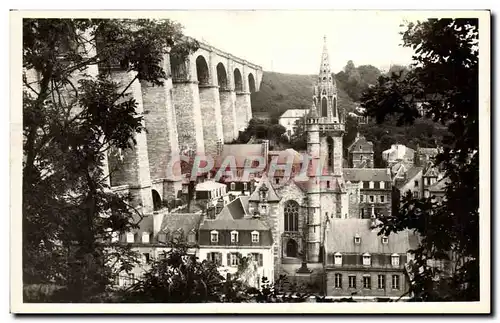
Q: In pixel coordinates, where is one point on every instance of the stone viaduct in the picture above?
(203, 104)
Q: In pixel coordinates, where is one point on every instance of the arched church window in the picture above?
(324, 108)
(324, 78)
(324, 71)
(291, 216)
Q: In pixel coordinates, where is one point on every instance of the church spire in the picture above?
(325, 70)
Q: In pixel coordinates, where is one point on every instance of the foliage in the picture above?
(354, 80)
(444, 81)
(280, 92)
(71, 119)
(263, 129)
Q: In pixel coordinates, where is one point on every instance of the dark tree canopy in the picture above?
(443, 81)
(71, 119)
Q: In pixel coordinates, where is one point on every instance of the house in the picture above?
(399, 153)
(375, 191)
(412, 182)
(360, 153)
(362, 264)
(437, 190)
(234, 234)
(289, 118)
(234, 158)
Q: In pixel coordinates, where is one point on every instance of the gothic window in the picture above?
(324, 107)
(329, 141)
(324, 92)
(291, 216)
(335, 107)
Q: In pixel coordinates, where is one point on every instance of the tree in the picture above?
(72, 118)
(298, 140)
(263, 129)
(444, 82)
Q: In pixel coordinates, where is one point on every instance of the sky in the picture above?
(291, 41)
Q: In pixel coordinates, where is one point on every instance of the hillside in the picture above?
(280, 92)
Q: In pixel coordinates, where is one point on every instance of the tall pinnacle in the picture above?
(325, 61)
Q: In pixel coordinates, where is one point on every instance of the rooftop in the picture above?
(367, 174)
(294, 113)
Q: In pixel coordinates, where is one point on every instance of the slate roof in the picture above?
(240, 152)
(294, 113)
(410, 175)
(208, 186)
(366, 174)
(232, 218)
(183, 221)
(439, 186)
(361, 140)
(341, 233)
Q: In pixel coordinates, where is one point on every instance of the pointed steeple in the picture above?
(324, 70)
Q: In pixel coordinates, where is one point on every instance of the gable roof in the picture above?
(294, 113)
(283, 155)
(272, 196)
(410, 175)
(341, 233)
(183, 221)
(367, 174)
(360, 140)
(232, 217)
(439, 186)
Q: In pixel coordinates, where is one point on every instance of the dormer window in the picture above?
(130, 237)
(214, 236)
(382, 185)
(192, 236)
(395, 260)
(255, 236)
(367, 259)
(385, 240)
(145, 237)
(338, 259)
(162, 237)
(245, 186)
(234, 236)
(357, 239)
(233, 186)
(372, 184)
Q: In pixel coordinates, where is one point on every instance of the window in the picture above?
(264, 209)
(372, 199)
(352, 281)
(385, 240)
(415, 194)
(255, 236)
(395, 281)
(382, 184)
(147, 257)
(426, 194)
(381, 281)
(361, 184)
(395, 260)
(234, 236)
(214, 236)
(382, 199)
(416, 183)
(233, 186)
(291, 216)
(277, 180)
(215, 257)
(367, 259)
(130, 237)
(371, 184)
(357, 239)
(328, 184)
(362, 198)
(338, 259)
(192, 237)
(245, 186)
(258, 258)
(233, 259)
(338, 280)
(367, 282)
(145, 237)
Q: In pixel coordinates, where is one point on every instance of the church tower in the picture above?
(325, 129)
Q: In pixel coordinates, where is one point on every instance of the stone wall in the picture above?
(211, 118)
(241, 110)
(228, 112)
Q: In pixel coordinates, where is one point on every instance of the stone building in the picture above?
(375, 192)
(399, 154)
(360, 153)
(362, 264)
